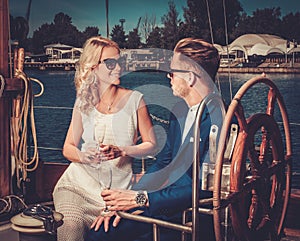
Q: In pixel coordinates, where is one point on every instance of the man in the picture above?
(166, 189)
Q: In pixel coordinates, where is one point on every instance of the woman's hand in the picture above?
(110, 152)
(105, 220)
(92, 154)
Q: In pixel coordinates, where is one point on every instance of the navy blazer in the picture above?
(169, 180)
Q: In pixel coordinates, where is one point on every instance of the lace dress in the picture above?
(77, 193)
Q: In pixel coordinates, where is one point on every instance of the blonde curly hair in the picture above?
(86, 82)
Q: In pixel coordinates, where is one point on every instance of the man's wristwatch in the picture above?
(141, 198)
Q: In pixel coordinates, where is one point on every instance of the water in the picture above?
(52, 123)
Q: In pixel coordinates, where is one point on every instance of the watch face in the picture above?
(141, 199)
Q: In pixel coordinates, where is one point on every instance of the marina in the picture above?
(53, 110)
(49, 109)
(253, 173)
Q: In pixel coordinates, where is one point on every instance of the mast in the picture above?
(28, 11)
(4, 38)
(5, 186)
(10, 88)
(107, 25)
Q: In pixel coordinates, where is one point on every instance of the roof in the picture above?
(263, 49)
(259, 44)
(59, 46)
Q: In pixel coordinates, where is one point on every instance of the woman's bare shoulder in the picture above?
(124, 90)
(128, 92)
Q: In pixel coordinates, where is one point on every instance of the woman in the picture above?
(101, 137)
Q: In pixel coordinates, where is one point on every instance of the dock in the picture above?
(49, 66)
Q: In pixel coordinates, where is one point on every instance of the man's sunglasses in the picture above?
(171, 72)
(112, 63)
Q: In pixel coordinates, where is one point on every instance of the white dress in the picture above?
(77, 193)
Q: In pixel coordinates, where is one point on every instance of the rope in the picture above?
(8, 203)
(50, 148)
(52, 107)
(21, 126)
(2, 85)
(41, 85)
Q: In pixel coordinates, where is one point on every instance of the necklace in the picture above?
(109, 106)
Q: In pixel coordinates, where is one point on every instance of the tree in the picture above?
(118, 35)
(262, 21)
(60, 31)
(243, 27)
(65, 31)
(205, 19)
(290, 26)
(195, 15)
(147, 25)
(89, 32)
(62, 19)
(266, 20)
(42, 36)
(170, 30)
(134, 40)
(19, 29)
(154, 39)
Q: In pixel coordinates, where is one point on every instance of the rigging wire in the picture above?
(212, 39)
(227, 49)
(209, 21)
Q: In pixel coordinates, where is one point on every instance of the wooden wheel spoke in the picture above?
(272, 170)
(271, 101)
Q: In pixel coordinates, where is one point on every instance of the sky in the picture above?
(86, 13)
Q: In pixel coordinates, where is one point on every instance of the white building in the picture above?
(62, 53)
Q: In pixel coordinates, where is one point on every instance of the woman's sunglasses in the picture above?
(112, 63)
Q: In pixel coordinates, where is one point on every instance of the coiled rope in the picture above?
(20, 131)
(9, 204)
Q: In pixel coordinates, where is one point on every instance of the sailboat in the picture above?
(256, 199)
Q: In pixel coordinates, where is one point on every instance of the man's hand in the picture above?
(105, 219)
(116, 200)
(119, 200)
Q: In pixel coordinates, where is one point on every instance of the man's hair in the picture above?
(202, 52)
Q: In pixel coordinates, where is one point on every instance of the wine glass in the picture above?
(106, 184)
(93, 155)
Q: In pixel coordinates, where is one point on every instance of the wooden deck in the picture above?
(291, 234)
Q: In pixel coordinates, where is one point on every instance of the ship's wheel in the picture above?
(260, 170)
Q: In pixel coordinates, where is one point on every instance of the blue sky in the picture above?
(92, 12)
